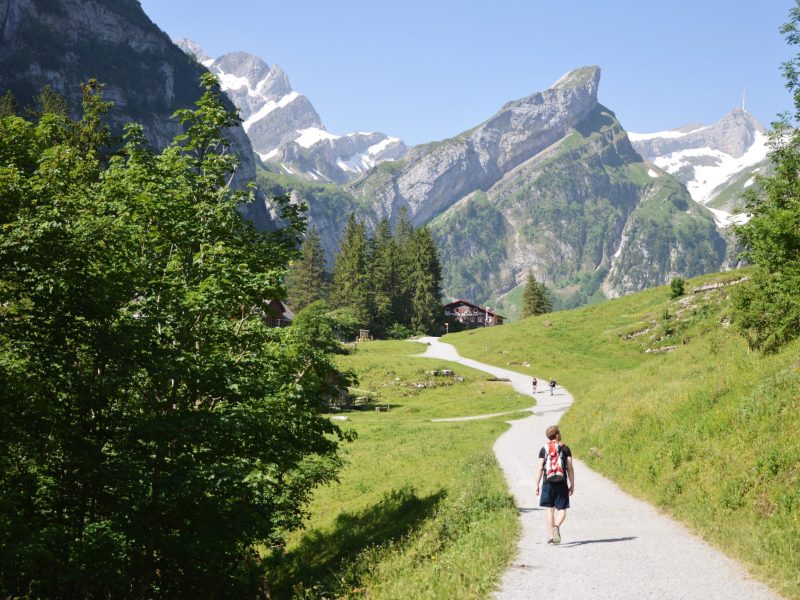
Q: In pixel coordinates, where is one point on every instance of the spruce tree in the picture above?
(350, 287)
(535, 298)
(307, 281)
(383, 277)
(426, 294)
(404, 268)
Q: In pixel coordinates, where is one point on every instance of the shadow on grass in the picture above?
(322, 555)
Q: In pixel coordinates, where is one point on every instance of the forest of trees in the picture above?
(388, 282)
(155, 431)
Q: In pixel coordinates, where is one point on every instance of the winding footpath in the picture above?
(614, 546)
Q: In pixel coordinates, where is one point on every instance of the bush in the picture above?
(677, 286)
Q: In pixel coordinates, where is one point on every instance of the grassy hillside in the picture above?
(421, 509)
(671, 404)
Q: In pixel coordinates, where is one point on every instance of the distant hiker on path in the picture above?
(556, 478)
(552, 386)
(534, 383)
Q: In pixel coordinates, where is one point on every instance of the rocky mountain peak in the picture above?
(192, 48)
(588, 77)
(708, 158)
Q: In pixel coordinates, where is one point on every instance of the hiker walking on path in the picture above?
(534, 384)
(552, 386)
(556, 476)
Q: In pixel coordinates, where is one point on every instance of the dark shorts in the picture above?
(555, 495)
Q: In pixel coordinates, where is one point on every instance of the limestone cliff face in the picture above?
(586, 216)
(62, 43)
(433, 176)
(550, 184)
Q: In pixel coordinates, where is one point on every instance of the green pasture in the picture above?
(672, 405)
(421, 509)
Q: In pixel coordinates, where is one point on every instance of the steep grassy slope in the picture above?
(699, 425)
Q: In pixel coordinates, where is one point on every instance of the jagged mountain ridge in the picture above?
(283, 125)
(551, 183)
(711, 159)
(62, 43)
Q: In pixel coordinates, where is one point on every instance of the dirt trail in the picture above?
(614, 546)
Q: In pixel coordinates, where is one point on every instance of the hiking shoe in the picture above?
(556, 535)
(550, 541)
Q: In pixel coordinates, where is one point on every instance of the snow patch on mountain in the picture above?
(714, 169)
(311, 135)
(267, 108)
(671, 134)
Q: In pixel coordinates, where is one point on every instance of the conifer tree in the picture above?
(307, 281)
(350, 288)
(404, 268)
(383, 277)
(426, 294)
(535, 298)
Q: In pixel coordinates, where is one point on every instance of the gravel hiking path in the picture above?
(613, 545)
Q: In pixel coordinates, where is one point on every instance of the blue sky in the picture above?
(427, 70)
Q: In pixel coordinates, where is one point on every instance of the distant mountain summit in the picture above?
(716, 162)
(283, 125)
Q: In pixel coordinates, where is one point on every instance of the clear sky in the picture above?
(424, 70)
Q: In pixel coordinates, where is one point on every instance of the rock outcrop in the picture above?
(62, 43)
(432, 176)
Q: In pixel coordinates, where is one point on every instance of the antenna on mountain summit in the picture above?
(744, 94)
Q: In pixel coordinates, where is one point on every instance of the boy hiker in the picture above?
(556, 477)
(534, 383)
(552, 386)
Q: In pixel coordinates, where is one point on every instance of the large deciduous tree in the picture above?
(769, 304)
(154, 429)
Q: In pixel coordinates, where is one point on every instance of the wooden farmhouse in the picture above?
(277, 314)
(471, 315)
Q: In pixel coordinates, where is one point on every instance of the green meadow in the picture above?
(672, 405)
(421, 509)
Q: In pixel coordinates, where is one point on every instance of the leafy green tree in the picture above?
(155, 430)
(350, 288)
(307, 281)
(769, 304)
(535, 298)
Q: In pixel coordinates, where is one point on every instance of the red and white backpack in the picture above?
(555, 467)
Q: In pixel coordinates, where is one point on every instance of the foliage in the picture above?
(535, 299)
(398, 331)
(307, 281)
(677, 287)
(769, 305)
(154, 428)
